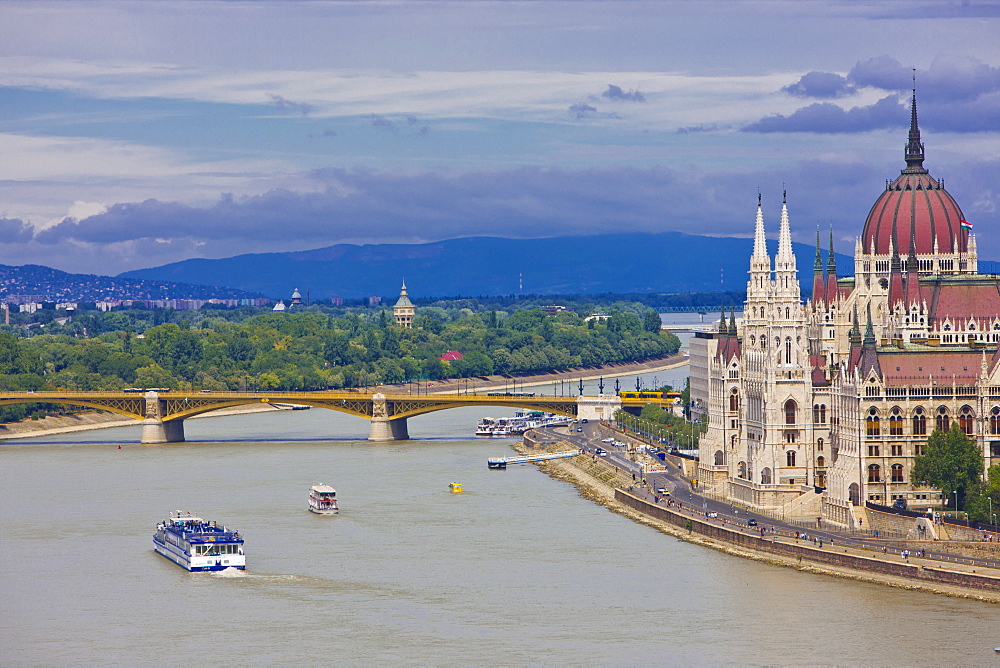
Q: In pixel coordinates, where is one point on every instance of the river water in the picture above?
(516, 570)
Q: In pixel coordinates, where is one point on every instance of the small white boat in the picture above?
(323, 500)
(198, 545)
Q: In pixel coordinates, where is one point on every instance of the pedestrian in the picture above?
(821, 543)
(906, 554)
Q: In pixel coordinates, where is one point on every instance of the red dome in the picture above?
(914, 206)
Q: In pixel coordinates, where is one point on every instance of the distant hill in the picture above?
(616, 263)
(47, 284)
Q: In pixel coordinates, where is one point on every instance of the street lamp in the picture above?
(955, 494)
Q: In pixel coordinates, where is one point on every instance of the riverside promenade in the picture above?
(671, 505)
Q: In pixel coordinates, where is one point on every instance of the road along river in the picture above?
(519, 569)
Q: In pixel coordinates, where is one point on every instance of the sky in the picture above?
(133, 134)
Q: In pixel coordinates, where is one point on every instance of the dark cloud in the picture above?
(826, 117)
(949, 78)
(616, 93)
(582, 110)
(382, 123)
(285, 104)
(323, 135)
(378, 207)
(820, 85)
(882, 72)
(15, 231)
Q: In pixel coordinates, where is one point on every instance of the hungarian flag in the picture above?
(967, 226)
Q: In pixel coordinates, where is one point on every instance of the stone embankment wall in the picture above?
(829, 556)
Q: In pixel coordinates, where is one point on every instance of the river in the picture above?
(517, 570)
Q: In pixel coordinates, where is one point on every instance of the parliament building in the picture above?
(815, 408)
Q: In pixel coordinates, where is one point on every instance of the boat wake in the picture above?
(231, 573)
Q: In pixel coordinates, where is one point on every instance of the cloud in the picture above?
(582, 110)
(284, 104)
(381, 122)
(323, 135)
(820, 85)
(15, 231)
(616, 93)
(826, 117)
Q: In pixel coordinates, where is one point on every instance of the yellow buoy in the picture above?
(456, 487)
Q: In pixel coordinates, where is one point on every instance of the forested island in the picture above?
(314, 348)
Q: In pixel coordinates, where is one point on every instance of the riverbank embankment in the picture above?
(607, 485)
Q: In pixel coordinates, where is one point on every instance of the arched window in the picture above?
(741, 470)
(734, 401)
(819, 444)
(765, 476)
(790, 457)
(995, 420)
(966, 420)
(790, 407)
(874, 473)
(873, 426)
(941, 420)
(720, 458)
(896, 422)
(820, 462)
(896, 473)
(788, 351)
(819, 413)
(920, 422)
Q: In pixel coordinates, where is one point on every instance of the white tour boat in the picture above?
(323, 500)
(198, 545)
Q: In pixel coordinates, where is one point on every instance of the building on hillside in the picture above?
(296, 298)
(816, 408)
(404, 310)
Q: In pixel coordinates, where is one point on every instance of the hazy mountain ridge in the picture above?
(470, 266)
(60, 286)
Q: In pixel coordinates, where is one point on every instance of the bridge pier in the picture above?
(384, 429)
(601, 407)
(154, 428)
(158, 431)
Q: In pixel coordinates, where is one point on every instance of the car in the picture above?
(751, 522)
(601, 452)
(899, 504)
(662, 490)
(713, 515)
(579, 428)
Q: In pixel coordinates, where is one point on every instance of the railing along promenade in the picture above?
(162, 413)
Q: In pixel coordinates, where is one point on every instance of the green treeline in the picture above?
(250, 349)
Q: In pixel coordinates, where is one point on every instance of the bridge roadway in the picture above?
(162, 413)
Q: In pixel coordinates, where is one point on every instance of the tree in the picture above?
(953, 463)
(651, 321)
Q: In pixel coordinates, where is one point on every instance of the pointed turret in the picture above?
(819, 279)
(868, 361)
(732, 323)
(831, 273)
(785, 259)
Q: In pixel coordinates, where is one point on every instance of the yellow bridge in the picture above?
(162, 413)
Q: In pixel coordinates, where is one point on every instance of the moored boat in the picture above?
(323, 500)
(198, 545)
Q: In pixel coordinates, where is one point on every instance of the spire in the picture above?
(819, 282)
(759, 238)
(869, 330)
(818, 263)
(855, 334)
(914, 153)
(785, 259)
(831, 272)
(722, 321)
(732, 322)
